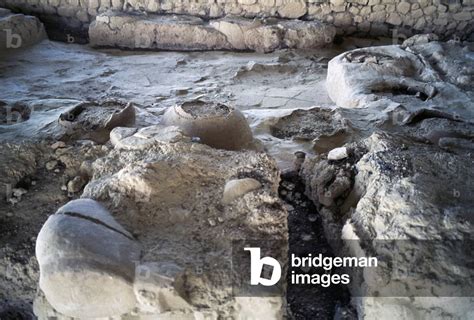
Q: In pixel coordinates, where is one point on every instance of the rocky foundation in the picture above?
(177, 199)
(166, 32)
(385, 187)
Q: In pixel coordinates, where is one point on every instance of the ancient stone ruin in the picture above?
(236, 159)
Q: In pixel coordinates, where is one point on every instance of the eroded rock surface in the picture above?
(94, 120)
(324, 127)
(408, 181)
(389, 189)
(431, 76)
(64, 119)
(171, 32)
(18, 30)
(169, 195)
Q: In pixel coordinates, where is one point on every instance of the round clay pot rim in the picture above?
(183, 114)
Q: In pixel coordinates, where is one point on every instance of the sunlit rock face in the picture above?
(418, 76)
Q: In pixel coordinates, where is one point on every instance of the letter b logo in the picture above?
(13, 40)
(256, 268)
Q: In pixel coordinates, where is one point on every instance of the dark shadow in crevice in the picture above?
(306, 236)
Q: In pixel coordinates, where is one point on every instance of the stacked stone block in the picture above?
(447, 18)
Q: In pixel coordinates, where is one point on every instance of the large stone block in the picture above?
(18, 30)
(307, 34)
(292, 9)
(155, 32)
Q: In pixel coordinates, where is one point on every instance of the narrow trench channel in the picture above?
(306, 236)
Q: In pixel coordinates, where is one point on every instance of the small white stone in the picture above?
(338, 154)
(75, 185)
(236, 188)
(58, 144)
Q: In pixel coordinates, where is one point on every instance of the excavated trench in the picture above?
(306, 236)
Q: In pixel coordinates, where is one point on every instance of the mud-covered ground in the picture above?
(51, 77)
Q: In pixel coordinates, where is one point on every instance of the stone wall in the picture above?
(447, 18)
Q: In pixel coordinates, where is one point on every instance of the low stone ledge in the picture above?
(187, 33)
(18, 30)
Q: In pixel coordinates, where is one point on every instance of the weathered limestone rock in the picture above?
(155, 32)
(18, 30)
(327, 184)
(216, 125)
(170, 195)
(307, 35)
(404, 186)
(292, 9)
(159, 293)
(421, 76)
(94, 120)
(396, 192)
(131, 138)
(235, 29)
(192, 33)
(420, 39)
(87, 262)
(236, 188)
(266, 38)
(356, 76)
(20, 160)
(338, 153)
